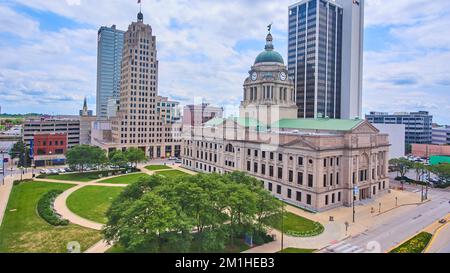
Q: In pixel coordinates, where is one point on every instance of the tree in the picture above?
(85, 155)
(207, 211)
(402, 165)
(419, 169)
(135, 156)
(118, 158)
(441, 170)
(22, 152)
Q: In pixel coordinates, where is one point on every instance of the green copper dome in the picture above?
(269, 55)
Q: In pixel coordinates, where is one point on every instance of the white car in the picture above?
(53, 171)
(62, 170)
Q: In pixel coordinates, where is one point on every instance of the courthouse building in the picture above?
(318, 164)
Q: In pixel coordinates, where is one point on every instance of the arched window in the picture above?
(229, 148)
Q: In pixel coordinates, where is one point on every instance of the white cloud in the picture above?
(197, 49)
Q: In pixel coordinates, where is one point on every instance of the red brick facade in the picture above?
(50, 144)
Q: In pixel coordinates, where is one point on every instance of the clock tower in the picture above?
(268, 92)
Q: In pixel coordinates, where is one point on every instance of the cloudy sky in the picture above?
(48, 50)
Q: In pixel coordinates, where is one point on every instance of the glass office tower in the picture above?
(325, 57)
(109, 61)
(315, 57)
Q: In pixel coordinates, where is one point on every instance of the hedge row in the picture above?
(45, 209)
(318, 229)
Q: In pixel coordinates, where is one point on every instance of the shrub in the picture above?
(45, 209)
(415, 245)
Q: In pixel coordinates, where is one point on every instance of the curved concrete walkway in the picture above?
(60, 205)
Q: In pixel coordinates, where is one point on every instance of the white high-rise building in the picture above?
(325, 57)
(352, 58)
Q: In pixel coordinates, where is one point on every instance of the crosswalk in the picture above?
(344, 247)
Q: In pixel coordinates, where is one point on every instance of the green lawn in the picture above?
(23, 231)
(172, 174)
(295, 225)
(414, 245)
(126, 179)
(92, 202)
(81, 177)
(157, 167)
(297, 250)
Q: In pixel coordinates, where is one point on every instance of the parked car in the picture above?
(53, 171)
(61, 170)
(68, 170)
(178, 161)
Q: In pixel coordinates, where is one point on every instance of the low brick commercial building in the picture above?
(49, 149)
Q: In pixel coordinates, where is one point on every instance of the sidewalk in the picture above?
(5, 191)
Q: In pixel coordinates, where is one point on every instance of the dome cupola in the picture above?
(269, 55)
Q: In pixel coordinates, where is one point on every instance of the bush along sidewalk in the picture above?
(46, 211)
(318, 229)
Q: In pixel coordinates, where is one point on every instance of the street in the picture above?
(399, 225)
(441, 244)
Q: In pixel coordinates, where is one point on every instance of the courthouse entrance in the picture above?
(364, 194)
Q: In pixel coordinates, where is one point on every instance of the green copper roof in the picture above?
(269, 55)
(318, 124)
(244, 122)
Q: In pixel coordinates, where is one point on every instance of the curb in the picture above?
(436, 233)
(404, 205)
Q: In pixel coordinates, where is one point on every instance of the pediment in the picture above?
(365, 128)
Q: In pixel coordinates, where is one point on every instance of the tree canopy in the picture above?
(216, 209)
(84, 155)
(22, 152)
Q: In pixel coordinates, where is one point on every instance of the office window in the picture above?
(255, 167)
(280, 157)
(264, 155)
(271, 171)
(291, 176)
(271, 156)
(280, 173)
(339, 196)
(324, 180)
(249, 152)
(300, 161)
(289, 193)
(331, 180)
(299, 196)
(270, 186)
(263, 169)
(248, 166)
(278, 189)
(326, 200)
(256, 153)
(325, 162)
(333, 198)
(337, 178)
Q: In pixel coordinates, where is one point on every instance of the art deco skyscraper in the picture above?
(325, 57)
(137, 123)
